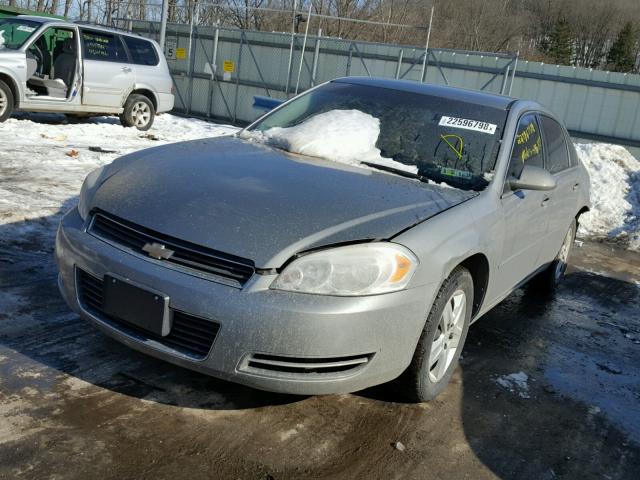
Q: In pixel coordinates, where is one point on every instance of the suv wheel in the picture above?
(138, 112)
(549, 279)
(442, 339)
(6, 101)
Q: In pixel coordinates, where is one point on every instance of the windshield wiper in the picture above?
(397, 171)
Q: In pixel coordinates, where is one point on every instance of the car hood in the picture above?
(259, 203)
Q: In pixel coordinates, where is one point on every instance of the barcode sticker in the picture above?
(465, 123)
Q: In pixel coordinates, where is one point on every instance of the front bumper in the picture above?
(256, 320)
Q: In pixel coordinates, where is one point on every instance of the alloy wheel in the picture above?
(563, 255)
(447, 337)
(141, 114)
(3, 103)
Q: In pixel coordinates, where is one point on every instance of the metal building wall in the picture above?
(593, 104)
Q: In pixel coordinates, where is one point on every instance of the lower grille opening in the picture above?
(190, 335)
(306, 365)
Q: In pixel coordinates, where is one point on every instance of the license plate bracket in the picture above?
(137, 306)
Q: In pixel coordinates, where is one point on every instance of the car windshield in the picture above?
(426, 136)
(15, 32)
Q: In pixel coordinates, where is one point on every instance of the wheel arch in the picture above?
(147, 92)
(13, 86)
(478, 266)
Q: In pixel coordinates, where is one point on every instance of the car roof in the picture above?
(475, 97)
(35, 18)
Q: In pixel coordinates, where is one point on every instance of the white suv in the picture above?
(48, 65)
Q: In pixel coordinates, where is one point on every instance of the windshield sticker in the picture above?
(452, 172)
(476, 125)
(25, 28)
(455, 143)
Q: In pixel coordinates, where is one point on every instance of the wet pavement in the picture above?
(547, 388)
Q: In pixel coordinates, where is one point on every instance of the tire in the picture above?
(549, 280)
(7, 101)
(138, 112)
(429, 373)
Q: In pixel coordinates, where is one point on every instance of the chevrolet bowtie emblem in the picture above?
(157, 250)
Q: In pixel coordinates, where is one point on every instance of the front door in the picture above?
(525, 212)
(108, 75)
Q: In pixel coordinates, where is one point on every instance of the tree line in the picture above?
(586, 33)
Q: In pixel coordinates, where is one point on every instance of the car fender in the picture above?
(442, 243)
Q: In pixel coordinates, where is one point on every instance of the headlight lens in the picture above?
(86, 190)
(363, 269)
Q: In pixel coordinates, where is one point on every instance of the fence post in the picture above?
(513, 75)
(316, 54)
(506, 77)
(348, 72)
(426, 49)
(400, 55)
(235, 98)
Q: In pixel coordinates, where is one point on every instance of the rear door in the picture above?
(146, 62)
(108, 75)
(563, 204)
(525, 212)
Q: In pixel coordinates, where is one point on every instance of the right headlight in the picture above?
(87, 191)
(352, 270)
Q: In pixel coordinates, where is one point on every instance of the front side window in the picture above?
(142, 51)
(440, 139)
(103, 46)
(14, 32)
(556, 145)
(527, 146)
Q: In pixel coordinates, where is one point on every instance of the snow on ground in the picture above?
(44, 158)
(515, 383)
(615, 193)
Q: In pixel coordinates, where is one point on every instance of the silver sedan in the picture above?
(257, 260)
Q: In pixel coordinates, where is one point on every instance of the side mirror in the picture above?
(533, 178)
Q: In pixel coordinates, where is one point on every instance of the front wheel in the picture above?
(138, 112)
(6, 101)
(442, 339)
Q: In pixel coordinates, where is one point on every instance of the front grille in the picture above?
(186, 256)
(190, 335)
(263, 363)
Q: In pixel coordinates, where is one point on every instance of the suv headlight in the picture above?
(362, 269)
(86, 191)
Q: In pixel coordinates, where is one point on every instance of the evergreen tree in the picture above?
(621, 56)
(559, 45)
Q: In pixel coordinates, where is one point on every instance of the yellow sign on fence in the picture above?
(229, 66)
(181, 53)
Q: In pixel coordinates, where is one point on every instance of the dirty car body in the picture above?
(190, 252)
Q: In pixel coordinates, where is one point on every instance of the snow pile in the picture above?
(345, 136)
(615, 193)
(44, 159)
(515, 383)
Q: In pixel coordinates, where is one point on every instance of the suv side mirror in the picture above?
(533, 178)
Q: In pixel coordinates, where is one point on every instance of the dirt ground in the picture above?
(75, 404)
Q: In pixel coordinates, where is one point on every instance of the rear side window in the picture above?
(556, 144)
(142, 51)
(527, 146)
(103, 46)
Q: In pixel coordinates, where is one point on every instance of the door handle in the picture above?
(575, 187)
(126, 69)
(545, 202)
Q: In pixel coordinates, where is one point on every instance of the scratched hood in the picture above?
(262, 204)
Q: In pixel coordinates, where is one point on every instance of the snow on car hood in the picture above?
(259, 203)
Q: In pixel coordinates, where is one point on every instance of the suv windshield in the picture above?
(14, 32)
(436, 138)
